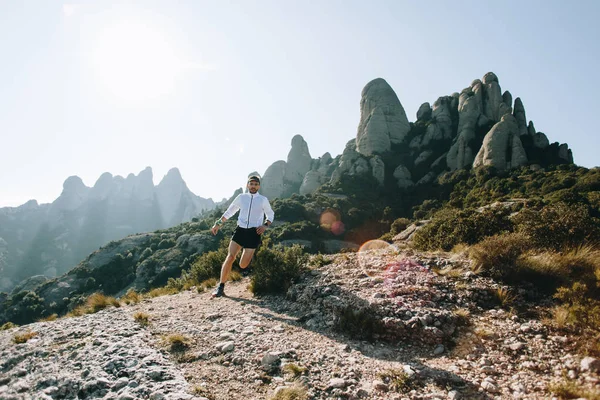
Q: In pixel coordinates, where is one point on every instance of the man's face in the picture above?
(253, 187)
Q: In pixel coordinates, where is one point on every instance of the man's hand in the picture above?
(215, 229)
(261, 229)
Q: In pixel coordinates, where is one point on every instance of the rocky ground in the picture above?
(379, 324)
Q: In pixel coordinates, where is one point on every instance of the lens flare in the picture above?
(331, 221)
(369, 256)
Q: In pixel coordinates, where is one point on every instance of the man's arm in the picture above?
(230, 212)
(268, 211)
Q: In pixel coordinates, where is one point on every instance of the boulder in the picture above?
(383, 121)
(502, 147)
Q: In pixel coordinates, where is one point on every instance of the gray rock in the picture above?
(225, 347)
(590, 364)
(383, 121)
(337, 383)
(271, 184)
(403, 176)
(298, 160)
(565, 154)
(377, 169)
(502, 140)
(311, 182)
(519, 114)
(424, 112)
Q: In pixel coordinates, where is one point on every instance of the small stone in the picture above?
(225, 347)
(379, 385)
(454, 395)
(438, 350)
(337, 383)
(489, 387)
(517, 346)
(590, 364)
(270, 358)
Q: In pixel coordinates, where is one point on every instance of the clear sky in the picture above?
(219, 88)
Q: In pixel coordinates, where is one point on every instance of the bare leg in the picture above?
(246, 257)
(234, 249)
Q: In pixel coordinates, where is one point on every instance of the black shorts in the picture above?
(247, 238)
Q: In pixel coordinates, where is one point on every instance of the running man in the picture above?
(253, 208)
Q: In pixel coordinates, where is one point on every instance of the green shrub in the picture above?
(275, 268)
(559, 225)
(450, 227)
(207, 266)
(166, 244)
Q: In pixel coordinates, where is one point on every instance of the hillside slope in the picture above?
(376, 325)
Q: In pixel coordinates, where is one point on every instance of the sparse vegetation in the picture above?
(131, 297)
(293, 370)
(568, 389)
(24, 337)
(49, 318)
(396, 379)
(291, 393)
(142, 318)
(178, 343)
(7, 326)
(504, 296)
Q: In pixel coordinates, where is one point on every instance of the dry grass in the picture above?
(131, 297)
(292, 369)
(485, 333)
(178, 343)
(496, 256)
(568, 389)
(142, 318)
(463, 315)
(7, 326)
(577, 264)
(209, 283)
(23, 337)
(450, 271)
(94, 303)
(291, 393)
(162, 291)
(49, 318)
(504, 296)
(235, 276)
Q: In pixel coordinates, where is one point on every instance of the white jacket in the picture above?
(253, 208)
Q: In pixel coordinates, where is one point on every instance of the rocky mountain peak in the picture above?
(383, 121)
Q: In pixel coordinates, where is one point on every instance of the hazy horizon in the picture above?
(218, 90)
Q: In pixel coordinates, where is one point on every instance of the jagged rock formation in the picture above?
(481, 126)
(383, 121)
(49, 239)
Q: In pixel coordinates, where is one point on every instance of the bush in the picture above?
(207, 266)
(559, 225)
(275, 268)
(450, 227)
(497, 256)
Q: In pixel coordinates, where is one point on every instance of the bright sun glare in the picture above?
(135, 62)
